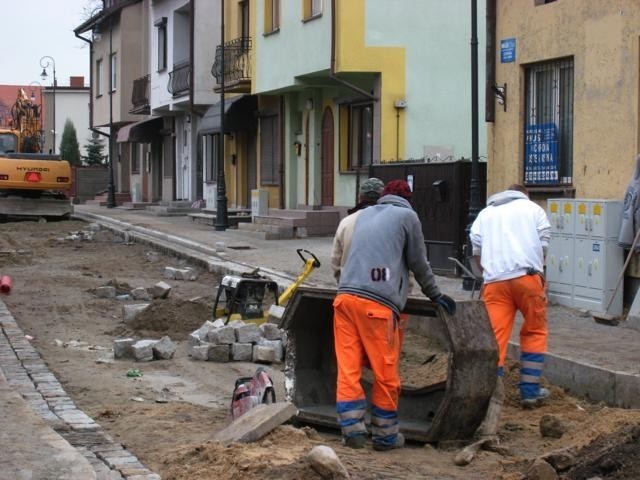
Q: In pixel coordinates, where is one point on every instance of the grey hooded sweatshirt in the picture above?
(387, 243)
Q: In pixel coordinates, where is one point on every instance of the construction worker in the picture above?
(386, 243)
(368, 194)
(510, 238)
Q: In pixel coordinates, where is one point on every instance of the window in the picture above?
(549, 124)
(311, 9)
(161, 25)
(114, 71)
(271, 16)
(210, 152)
(360, 135)
(99, 84)
(269, 150)
(244, 24)
(8, 143)
(542, 2)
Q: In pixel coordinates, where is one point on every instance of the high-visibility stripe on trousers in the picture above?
(364, 329)
(502, 300)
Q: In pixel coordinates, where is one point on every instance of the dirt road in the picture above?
(53, 301)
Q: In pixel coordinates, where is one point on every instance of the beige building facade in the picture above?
(569, 72)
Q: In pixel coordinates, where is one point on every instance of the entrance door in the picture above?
(326, 155)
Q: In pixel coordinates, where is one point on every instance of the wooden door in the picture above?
(326, 157)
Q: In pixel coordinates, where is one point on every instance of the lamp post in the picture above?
(222, 219)
(33, 99)
(475, 197)
(45, 62)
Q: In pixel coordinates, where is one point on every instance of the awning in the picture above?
(239, 115)
(141, 132)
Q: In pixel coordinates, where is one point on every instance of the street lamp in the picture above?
(44, 63)
(33, 100)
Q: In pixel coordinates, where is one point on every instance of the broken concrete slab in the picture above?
(122, 347)
(271, 331)
(256, 423)
(185, 274)
(264, 354)
(248, 333)
(140, 293)
(130, 312)
(164, 349)
(105, 291)
(160, 290)
(242, 352)
(219, 353)
(143, 350)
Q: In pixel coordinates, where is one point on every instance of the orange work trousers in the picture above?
(364, 329)
(504, 298)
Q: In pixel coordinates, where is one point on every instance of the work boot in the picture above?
(536, 401)
(399, 443)
(355, 441)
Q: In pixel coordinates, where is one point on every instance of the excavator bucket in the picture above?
(448, 405)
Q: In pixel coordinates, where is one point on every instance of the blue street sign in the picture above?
(508, 50)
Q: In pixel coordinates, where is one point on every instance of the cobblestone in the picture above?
(29, 375)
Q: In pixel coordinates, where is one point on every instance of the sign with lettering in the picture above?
(541, 154)
(508, 50)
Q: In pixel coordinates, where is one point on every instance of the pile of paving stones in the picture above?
(159, 290)
(237, 341)
(144, 350)
(173, 273)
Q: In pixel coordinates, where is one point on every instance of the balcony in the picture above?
(237, 66)
(179, 79)
(140, 96)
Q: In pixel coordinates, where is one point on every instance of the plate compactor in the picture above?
(436, 410)
(245, 296)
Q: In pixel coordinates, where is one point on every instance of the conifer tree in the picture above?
(69, 147)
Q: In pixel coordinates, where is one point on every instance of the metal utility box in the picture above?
(584, 259)
(452, 410)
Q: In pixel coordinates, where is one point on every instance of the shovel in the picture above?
(605, 317)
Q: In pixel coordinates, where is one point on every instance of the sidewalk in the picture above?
(590, 359)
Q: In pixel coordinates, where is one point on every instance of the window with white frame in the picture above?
(316, 7)
(114, 71)
(99, 73)
(549, 123)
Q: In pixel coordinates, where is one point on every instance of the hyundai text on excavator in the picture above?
(32, 184)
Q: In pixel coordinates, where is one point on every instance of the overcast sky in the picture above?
(34, 28)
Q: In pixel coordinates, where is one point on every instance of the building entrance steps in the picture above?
(589, 359)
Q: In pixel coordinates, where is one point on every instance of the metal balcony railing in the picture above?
(237, 64)
(179, 79)
(140, 95)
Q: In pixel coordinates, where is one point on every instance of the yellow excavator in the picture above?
(32, 184)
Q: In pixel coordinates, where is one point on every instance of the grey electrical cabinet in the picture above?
(584, 259)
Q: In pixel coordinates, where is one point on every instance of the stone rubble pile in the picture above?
(144, 350)
(173, 273)
(237, 341)
(159, 290)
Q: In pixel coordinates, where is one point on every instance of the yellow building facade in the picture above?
(570, 73)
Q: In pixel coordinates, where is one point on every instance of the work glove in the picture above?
(446, 302)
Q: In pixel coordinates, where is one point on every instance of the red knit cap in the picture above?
(399, 188)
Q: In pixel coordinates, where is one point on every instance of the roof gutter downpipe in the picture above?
(332, 74)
